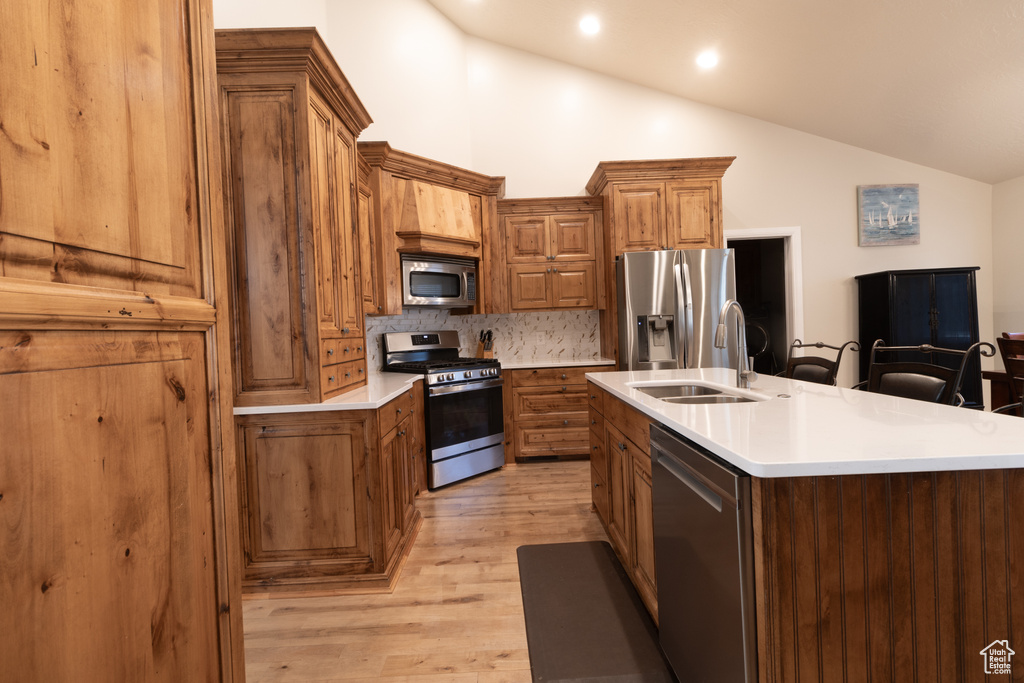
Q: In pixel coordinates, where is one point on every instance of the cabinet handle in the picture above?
(593, 396)
(348, 374)
(379, 307)
(593, 422)
(563, 375)
(331, 378)
(556, 270)
(549, 270)
(359, 348)
(594, 447)
(622, 446)
(563, 388)
(399, 411)
(344, 330)
(346, 350)
(565, 422)
(330, 352)
(360, 371)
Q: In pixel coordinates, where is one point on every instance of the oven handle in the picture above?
(468, 386)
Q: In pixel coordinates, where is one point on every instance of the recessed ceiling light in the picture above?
(590, 25)
(707, 59)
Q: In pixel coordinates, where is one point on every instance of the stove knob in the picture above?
(450, 377)
(468, 374)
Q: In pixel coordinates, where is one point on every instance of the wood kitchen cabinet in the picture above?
(290, 119)
(551, 255)
(651, 205)
(328, 497)
(620, 445)
(937, 306)
(547, 417)
(119, 548)
(422, 206)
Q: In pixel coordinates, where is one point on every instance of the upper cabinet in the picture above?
(652, 205)
(421, 206)
(290, 120)
(662, 204)
(548, 255)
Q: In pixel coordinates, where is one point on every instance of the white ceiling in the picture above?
(936, 82)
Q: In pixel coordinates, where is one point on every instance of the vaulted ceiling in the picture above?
(935, 82)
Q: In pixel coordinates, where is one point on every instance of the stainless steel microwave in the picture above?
(437, 281)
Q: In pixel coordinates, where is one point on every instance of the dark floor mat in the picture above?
(584, 619)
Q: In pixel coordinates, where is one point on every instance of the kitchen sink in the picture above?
(671, 391)
(708, 398)
(696, 392)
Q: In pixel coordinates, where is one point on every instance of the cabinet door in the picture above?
(619, 475)
(350, 302)
(911, 310)
(573, 285)
(364, 221)
(599, 474)
(642, 550)
(396, 481)
(526, 239)
(691, 208)
(305, 496)
(529, 287)
(326, 226)
(573, 237)
(637, 214)
(268, 284)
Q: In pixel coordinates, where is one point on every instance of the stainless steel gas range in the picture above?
(465, 431)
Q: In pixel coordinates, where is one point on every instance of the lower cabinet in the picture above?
(620, 449)
(328, 498)
(547, 417)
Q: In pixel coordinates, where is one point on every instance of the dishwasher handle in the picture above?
(708, 491)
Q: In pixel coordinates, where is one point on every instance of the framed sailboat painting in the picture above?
(889, 215)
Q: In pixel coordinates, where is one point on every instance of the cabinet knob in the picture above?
(379, 307)
(563, 388)
(565, 422)
(593, 396)
(360, 371)
(346, 350)
(564, 375)
(556, 270)
(348, 374)
(549, 270)
(331, 378)
(594, 447)
(398, 410)
(359, 348)
(344, 330)
(622, 446)
(593, 422)
(330, 352)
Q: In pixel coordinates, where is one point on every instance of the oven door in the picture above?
(464, 417)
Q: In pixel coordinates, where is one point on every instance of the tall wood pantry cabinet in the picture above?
(118, 513)
(937, 306)
(290, 124)
(651, 205)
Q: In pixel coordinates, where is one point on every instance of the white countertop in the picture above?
(823, 431)
(522, 363)
(380, 388)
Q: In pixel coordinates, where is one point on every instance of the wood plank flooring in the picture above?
(456, 613)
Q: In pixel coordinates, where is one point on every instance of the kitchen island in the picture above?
(888, 533)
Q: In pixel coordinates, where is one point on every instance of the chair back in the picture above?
(925, 372)
(1012, 352)
(1013, 335)
(816, 368)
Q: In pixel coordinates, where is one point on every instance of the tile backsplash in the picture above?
(555, 335)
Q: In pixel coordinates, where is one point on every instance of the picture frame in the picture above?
(888, 215)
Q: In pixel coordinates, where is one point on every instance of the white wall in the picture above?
(545, 125)
(270, 13)
(1008, 255)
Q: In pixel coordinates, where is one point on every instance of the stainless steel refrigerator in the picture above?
(668, 305)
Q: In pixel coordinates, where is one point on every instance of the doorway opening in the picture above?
(769, 287)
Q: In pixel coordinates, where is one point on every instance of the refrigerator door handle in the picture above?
(684, 313)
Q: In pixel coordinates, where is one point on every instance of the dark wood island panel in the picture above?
(888, 577)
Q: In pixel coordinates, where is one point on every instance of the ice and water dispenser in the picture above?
(656, 340)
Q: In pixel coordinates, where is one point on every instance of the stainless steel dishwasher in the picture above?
(703, 548)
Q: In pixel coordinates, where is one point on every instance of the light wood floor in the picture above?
(456, 613)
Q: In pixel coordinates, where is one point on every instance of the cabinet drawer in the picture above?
(334, 378)
(598, 459)
(596, 421)
(552, 438)
(595, 395)
(556, 376)
(394, 411)
(334, 351)
(599, 491)
(541, 402)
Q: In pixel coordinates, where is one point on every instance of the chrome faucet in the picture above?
(744, 374)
